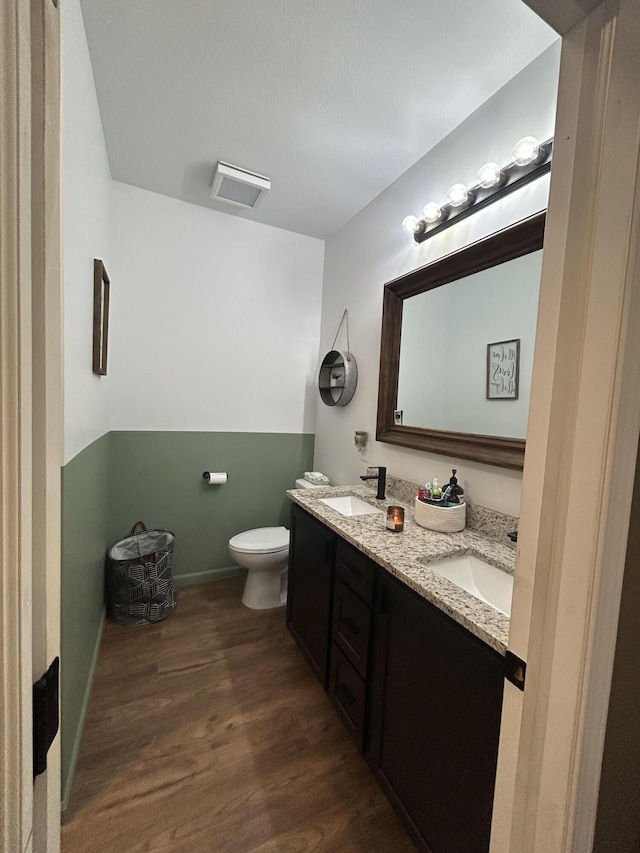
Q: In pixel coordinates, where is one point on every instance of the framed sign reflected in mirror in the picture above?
(101, 288)
(443, 387)
(503, 370)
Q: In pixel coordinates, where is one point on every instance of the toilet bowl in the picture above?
(264, 552)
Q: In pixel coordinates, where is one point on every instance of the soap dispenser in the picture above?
(454, 491)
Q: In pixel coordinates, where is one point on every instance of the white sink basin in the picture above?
(481, 579)
(350, 506)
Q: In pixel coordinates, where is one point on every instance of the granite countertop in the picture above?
(407, 556)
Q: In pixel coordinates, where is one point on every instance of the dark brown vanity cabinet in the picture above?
(419, 694)
(435, 721)
(310, 587)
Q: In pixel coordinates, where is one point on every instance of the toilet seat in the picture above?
(261, 540)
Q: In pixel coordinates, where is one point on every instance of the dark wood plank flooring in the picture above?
(208, 733)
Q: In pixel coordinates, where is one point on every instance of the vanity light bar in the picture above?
(531, 160)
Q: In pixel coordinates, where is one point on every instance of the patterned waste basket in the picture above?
(140, 587)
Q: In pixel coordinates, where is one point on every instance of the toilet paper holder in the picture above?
(215, 478)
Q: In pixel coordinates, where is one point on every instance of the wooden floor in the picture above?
(208, 733)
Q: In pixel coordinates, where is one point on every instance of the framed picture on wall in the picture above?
(101, 288)
(503, 370)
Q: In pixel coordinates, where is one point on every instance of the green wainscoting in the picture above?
(157, 477)
(85, 537)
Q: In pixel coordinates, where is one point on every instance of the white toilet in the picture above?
(264, 552)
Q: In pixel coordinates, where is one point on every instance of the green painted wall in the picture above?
(157, 477)
(85, 536)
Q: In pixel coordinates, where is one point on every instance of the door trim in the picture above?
(15, 427)
(581, 449)
(47, 394)
(30, 410)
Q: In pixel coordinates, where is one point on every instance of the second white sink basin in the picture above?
(350, 505)
(484, 581)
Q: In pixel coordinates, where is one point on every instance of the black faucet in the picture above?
(381, 477)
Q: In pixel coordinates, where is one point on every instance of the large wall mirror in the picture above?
(457, 349)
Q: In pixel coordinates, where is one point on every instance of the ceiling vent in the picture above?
(234, 185)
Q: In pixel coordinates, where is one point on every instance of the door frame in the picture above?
(582, 443)
(15, 427)
(585, 416)
(30, 410)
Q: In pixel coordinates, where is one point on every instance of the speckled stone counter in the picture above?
(407, 556)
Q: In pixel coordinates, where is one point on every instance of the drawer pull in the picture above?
(344, 693)
(351, 625)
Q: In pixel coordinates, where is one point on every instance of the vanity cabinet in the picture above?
(420, 695)
(310, 588)
(435, 722)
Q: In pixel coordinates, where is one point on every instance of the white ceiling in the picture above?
(331, 99)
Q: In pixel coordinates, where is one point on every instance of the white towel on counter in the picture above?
(317, 478)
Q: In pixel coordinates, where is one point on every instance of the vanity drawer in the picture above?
(351, 626)
(347, 692)
(356, 570)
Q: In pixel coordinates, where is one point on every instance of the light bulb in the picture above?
(411, 224)
(458, 195)
(431, 212)
(526, 151)
(489, 175)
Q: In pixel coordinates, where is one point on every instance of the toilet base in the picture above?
(263, 590)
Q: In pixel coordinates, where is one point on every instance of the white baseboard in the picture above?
(68, 782)
(209, 575)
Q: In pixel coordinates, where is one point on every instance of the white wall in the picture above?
(443, 352)
(372, 249)
(215, 320)
(86, 184)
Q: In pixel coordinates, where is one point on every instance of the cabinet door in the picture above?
(310, 583)
(435, 725)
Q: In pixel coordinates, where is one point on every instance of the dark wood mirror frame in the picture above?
(513, 242)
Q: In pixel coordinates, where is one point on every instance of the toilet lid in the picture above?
(261, 540)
